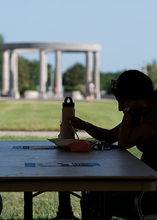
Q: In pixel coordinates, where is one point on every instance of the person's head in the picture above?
(132, 85)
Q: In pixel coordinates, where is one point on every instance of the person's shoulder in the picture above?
(150, 117)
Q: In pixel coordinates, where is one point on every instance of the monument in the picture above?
(10, 65)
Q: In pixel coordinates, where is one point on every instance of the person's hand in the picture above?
(77, 123)
(139, 105)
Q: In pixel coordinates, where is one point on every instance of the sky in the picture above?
(125, 29)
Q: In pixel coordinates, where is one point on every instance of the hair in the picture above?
(133, 84)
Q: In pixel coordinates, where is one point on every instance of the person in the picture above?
(55, 89)
(137, 99)
(90, 90)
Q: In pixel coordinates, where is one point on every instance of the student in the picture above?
(137, 100)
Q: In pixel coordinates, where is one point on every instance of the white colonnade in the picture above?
(10, 65)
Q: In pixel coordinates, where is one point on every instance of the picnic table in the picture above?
(37, 166)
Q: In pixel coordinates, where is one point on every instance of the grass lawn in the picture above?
(45, 116)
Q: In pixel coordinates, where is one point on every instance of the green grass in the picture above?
(45, 115)
(44, 206)
(23, 138)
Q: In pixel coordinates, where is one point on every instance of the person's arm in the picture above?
(98, 133)
(102, 134)
(126, 138)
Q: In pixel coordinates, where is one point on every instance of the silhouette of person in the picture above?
(137, 100)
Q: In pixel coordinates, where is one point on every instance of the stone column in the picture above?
(42, 75)
(5, 73)
(58, 76)
(88, 67)
(96, 75)
(14, 92)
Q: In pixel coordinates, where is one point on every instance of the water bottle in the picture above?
(67, 111)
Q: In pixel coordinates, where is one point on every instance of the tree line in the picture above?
(73, 77)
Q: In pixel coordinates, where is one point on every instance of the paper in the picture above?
(34, 147)
(51, 164)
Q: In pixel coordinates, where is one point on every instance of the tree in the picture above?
(23, 74)
(33, 72)
(152, 72)
(105, 80)
(29, 74)
(74, 75)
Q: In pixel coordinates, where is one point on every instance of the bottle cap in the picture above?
(69, 103)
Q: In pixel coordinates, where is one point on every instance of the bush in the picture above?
(33, 88)
(71, 88)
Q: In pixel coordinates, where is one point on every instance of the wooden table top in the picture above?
(42, 169)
